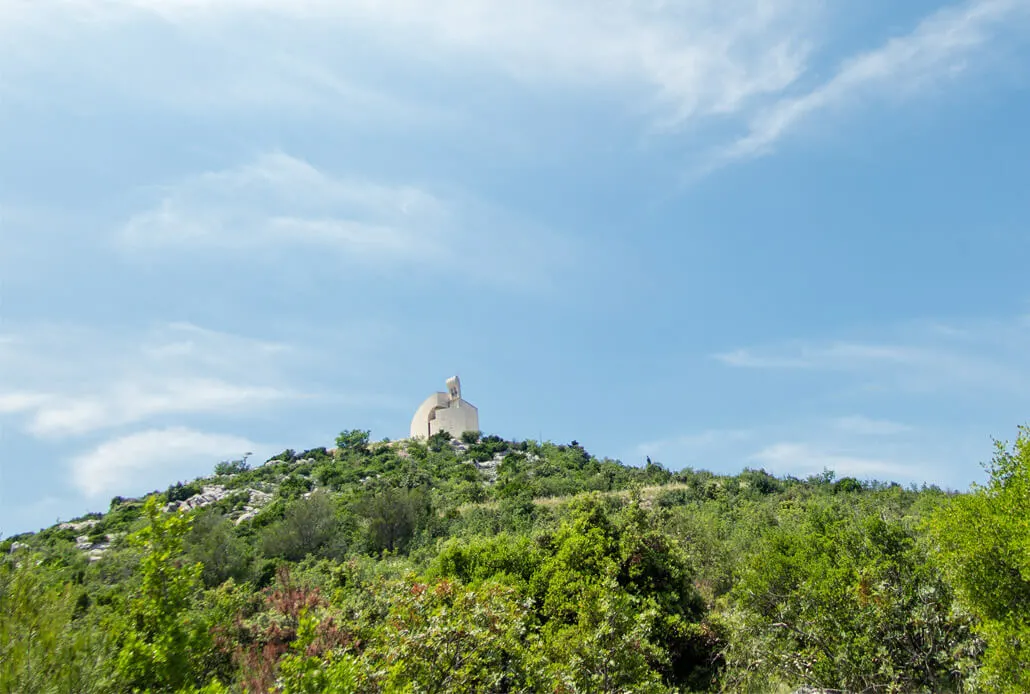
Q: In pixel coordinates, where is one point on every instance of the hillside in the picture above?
(491, 565)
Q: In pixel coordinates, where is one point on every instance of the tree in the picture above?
(161, 641)
(353, 441)
(842, 598)
(444, 637)
(983, 542)
(42, 646)
(213, 542)
(601, 569)
(394, 516)
(609, 648)
(231, 467)
(181, 492)
(309, 526)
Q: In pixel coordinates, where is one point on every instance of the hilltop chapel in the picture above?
(445, 412)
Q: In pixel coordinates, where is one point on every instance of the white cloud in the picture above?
(685, 60)
(176, 369)
(281, 199)
(951, 383)
(856, 446)
(422, 65)
(706, 57)
(839, 355)
(984, 355)
(128, 461)
(792, 443)
(940, 47)
(281, 202)
(16, 402)
(793, 457)
(128, 403)
(697, 448)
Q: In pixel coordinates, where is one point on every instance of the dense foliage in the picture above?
(480, 565)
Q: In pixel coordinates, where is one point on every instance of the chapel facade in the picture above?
(445, 412)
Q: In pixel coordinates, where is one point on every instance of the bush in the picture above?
(438, 441)
(231, 467)
(213, 542)
(353, 441)
(308, 527)
(294, 486)
(981, 541)
(394, 516)
(841, 599)
(180, 491)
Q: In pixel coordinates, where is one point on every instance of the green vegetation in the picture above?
(481, 565)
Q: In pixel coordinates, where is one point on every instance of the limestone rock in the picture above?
(207, 496)
(93, 550)
(80, 525)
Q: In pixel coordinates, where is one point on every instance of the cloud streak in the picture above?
(855, 445)
(684, 60)
(939, 48)
(130, 403)
(279, 199)
(980, 356)
(279, 202)
(180, 369)
(675, 66)
(805, 458)
(128, 461)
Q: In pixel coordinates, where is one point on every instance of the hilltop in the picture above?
(482, 564)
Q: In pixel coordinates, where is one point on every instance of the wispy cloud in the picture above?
(696, 59)
(804, 458)
(696, 447)
(280, 199)
(942, 46)
(123, 408)
(16, 402)
(124, 463)
(281, 202)
(840, 355)
(916, 401)
(684, 60)
(854, 445)
(179, 369)
(985, 355)
(129, 403)
(675, 66)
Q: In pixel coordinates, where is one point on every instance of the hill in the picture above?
(492, 565)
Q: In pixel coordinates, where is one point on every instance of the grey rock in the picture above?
(247, 515)
(80, 525)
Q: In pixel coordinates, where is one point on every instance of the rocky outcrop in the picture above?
(93, 550)
(257, 500)
(207, 496)
(215, 493)
(79, 525)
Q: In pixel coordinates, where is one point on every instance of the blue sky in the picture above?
(787, 234)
